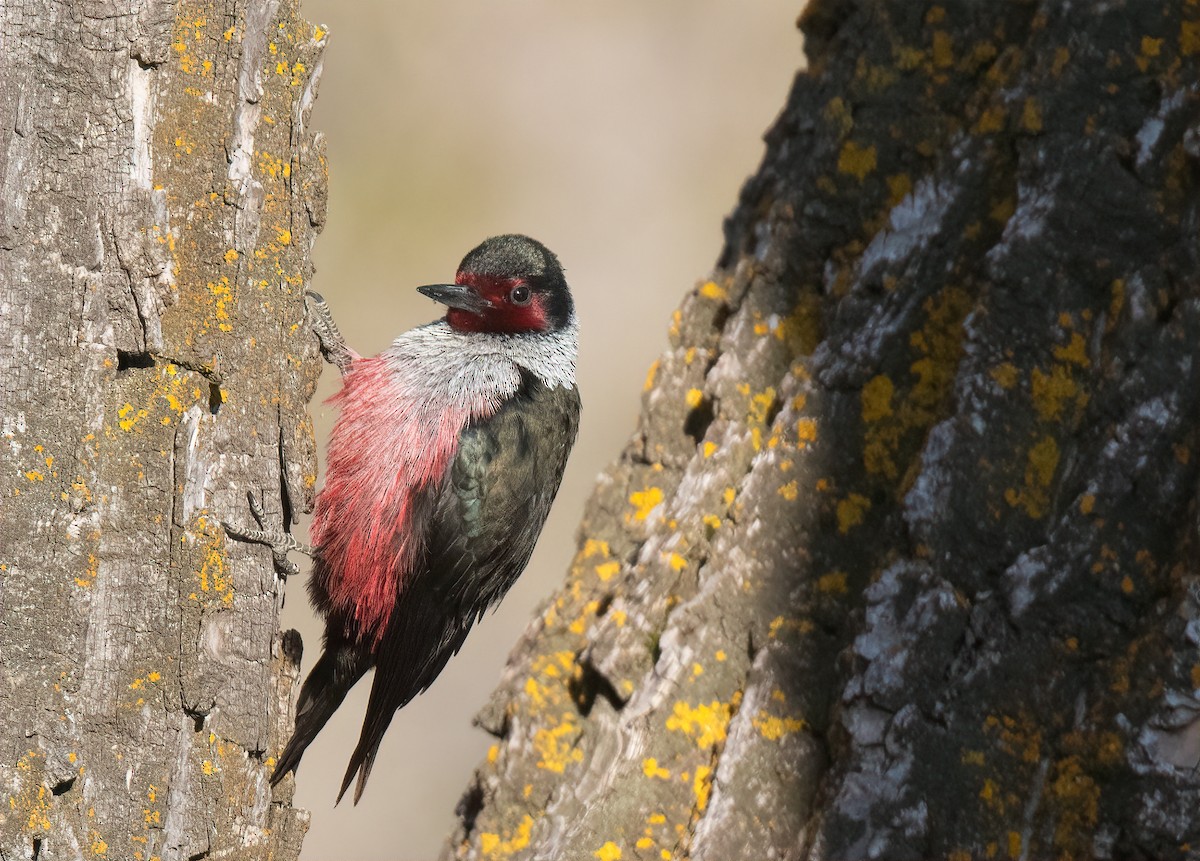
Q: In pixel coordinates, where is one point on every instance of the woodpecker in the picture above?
(448, 450)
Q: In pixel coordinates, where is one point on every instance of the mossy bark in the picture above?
(160, 196)
(902, 560)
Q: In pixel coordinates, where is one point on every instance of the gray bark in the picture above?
(159, 196)
(901, 561)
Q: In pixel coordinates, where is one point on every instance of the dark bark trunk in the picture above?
(160, 195)
(901, 562)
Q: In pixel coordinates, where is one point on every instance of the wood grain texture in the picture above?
(161, 193)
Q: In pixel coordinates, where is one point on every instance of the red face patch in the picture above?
(515, 307)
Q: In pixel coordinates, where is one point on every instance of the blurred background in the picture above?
(618, 134)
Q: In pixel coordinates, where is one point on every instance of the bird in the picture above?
(448, 450)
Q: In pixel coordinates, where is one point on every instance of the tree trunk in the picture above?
(160, 196)
(901, 562)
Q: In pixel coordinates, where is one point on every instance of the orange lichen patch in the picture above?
(1075, 796)
(704, 723)
(1041, 464)
(215, 585)
(800, 331)
(806, 432)
(1005, 374)
(651, 768)
(594, 547)
(851, 511)
(644, 502)
(1031, 116)
(607, 570)
(494, 845)
(876, 398)
(899, 187)
(943, 49)
(676, 561)
(780, 623)
(891, 412)
(1150, 49)
(773, 728)
(712, 290)
(760, 408)
(1087, 503)
(838, 114)
(31, 807)
(833, 583)
(608, 852)
(1189, 38)
(855, 160)
(555, 744)
(790, 491)
(1019, 736)
(702, 786)
(990, 121)
(693, 398)
(1054, 390)
(709, 448)
(1003, 210)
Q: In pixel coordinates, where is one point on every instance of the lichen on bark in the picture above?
(161, 193)
(900, 562)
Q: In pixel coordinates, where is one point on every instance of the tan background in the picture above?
(616, 133)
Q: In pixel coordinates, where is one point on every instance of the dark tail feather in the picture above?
(341, 665)
(363, 758)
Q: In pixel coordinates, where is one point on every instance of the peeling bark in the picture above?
(159, 196)
(901, 562)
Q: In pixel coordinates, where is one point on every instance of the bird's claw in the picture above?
(333, 344)
(280, 543)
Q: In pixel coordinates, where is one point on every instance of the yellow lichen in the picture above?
(1031, 116)
(651, 768)
(774, 728)
(832, 583)
(556, 745)
(704, 723)
(851, 511)
(855, 160)
(806, 432)
(1005, 374)
(493, 844)
(645, 501)
(1041, 464)
(876, 398)
(702, 786)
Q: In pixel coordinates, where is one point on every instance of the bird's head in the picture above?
(508, 284)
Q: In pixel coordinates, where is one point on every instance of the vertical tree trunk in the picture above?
(159, 195)
(901, 562)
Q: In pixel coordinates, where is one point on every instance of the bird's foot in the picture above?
(333, 345)
(281, 543)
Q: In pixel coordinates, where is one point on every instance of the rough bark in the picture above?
(160, 195)
(901, 561)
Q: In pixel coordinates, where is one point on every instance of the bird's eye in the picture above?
(519, 295)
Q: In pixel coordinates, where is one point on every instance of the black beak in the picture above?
(457, 296)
